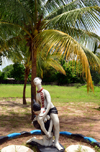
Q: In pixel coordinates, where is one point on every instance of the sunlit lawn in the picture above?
(58, 93)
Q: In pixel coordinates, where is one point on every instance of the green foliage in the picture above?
(95, 76)
(97, 149)
(45, 61)
(73, 74)
(29, 77)
(3, 76)
(13, 71)
(18, 71)
(8, 71)
(49, 73)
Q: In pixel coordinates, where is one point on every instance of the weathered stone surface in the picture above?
(81, 148)
(16, 148)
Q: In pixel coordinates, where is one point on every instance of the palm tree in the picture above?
(55, 26)
(20, 54)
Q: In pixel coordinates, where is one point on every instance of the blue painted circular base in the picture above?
(92, 141)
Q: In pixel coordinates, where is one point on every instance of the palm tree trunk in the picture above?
(33, 87)
(27, 70)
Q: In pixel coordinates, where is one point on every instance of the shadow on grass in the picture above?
(97, 108)
(13, 104)
(78, 124)
(15, 120)
(14, 117)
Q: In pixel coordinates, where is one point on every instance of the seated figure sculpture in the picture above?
(44, 99)
(45, 126)
(37, 111)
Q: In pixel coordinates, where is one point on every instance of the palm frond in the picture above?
(90, 2)
(62, 9)
(47, 60)
(15, 26)
(94, 61)
(61, 41)
(81, 18)
(15, 11)
(81, 35)
(61, 5)
(56, 65)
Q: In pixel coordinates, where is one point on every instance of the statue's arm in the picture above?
(48, 100)
(37, 99)
(50, 127)
(40, 121)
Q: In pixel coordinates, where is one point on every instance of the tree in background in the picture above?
(18, 71)
(55, 26)
(48, 74)
(15, 71)
(20, 54)
(2, 76)
(8, 70)
(73, 74)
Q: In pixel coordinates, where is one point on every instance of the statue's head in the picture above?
(37, 81)
(36, 108)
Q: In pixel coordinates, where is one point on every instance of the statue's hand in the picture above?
(46, 118)
(41, 115)
(49, 135)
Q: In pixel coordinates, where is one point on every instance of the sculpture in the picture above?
(45, 111)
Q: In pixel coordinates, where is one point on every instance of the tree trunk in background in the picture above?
(27, 70)
(33, 87)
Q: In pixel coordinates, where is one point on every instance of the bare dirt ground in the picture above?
(81, 118)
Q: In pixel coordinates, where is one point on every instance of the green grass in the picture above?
(60, 94)
(13, 90)
(73, 94)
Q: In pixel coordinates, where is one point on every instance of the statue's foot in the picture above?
(58, 146)
(30, 140)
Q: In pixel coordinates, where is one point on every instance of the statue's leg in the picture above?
(45, 141)
(50, 129)
(39, 141)
(55, 120)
